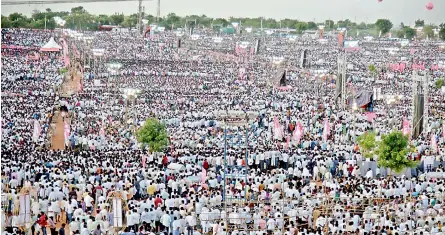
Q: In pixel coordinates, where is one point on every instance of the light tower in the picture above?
(341, 81)
(420, 103)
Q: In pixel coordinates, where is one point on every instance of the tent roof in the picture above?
(51, 45)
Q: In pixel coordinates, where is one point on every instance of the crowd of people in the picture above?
(220, 177)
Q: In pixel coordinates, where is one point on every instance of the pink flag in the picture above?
(434, 143)
(370, 116)
(66, 130)
(203, 175)
(326, 129)
(287, 142)
(102, 130)
(402, 67)
(144, 160)
(277, 129)
(443, 130)
(405, 125)
(298, 132)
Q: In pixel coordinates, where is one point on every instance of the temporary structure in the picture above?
(51, 45)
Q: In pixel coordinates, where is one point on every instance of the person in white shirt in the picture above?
(165, 221)
(89, 203)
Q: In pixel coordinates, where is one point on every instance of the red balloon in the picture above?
(429, 6)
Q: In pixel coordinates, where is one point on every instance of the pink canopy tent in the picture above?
(51, 45)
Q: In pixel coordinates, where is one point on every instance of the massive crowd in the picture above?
(272, 183)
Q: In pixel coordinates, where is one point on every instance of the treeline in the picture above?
(80, 19)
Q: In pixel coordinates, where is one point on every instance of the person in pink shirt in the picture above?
(262, 223)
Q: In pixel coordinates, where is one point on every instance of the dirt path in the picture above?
(68, 87)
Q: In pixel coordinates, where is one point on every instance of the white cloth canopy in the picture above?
(51, 45)
(176, 167)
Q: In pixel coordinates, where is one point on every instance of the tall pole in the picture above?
(247, 155)
(140, 17)
(225, 163)
(261, 23)
(45, 21)
(425, 84)
(158, 12)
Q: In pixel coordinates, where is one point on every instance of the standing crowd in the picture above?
(215, 177)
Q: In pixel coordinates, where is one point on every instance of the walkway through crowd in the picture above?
(69, 87)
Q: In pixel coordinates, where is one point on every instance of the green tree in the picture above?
(362, 25)
(393, 152)
(372, 69)
(439, 83)
(428, 31)
(150, 18)
(300, 27)
(153, 134)
(384, 25)
(78, 9)
(251, 22)
(103, 19)
(288, 23)
(329, 24)
(419, 23)
(172, 19)
(367, 143)
(311, 25)
(40, 24)
(18, 20)
(222, 21)
(117, 19)
(341, 24)
(270, 23)
(16, 16)
(203, 21)
(410, 33)
(400, 33)
(6, 23)
(79, 20)
(442, 31)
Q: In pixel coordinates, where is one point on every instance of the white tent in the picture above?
(51, 45)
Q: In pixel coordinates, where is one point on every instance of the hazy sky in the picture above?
(361, 10)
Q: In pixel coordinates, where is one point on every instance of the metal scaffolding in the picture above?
(234, 174)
